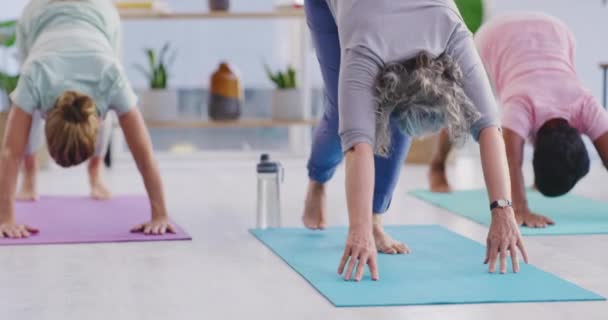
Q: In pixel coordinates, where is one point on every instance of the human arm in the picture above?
(13, 146)
(595, 124)
(601, 145)
(138, 140)
(515, 153)
(504, 235)
(357, 125)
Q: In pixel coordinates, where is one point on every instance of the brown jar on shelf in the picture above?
(225, 94)
(219, 5)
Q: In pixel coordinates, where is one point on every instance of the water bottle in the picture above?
(270, 177)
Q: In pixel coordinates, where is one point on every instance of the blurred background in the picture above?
(247, 44)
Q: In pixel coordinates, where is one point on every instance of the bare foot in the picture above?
(99, 191)
(384, 242)
(438, 180)
(27, 192)
(314, 207)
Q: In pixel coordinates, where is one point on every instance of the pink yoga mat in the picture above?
(64, 219)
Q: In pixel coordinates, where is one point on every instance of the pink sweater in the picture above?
(530, 59)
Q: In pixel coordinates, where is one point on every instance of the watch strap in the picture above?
(501, 203)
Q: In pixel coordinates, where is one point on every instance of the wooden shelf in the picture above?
(604, 65)
(152, 15)
(242, 123)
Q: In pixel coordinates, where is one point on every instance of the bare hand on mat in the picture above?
(532, 220)
(503, 238)
(157, 226)
(360, 251)
(16, 231)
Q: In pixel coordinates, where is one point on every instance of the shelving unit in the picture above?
(278, 14)
(604, 67)
(241, 123)
(299, 131)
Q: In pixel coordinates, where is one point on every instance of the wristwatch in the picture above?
(501, 203)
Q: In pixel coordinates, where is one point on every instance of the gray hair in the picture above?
(423, 95)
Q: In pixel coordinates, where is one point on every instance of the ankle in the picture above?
(437, 166)
(95, 164)
(377, 221)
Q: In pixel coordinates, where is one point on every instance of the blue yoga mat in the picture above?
(443, 268)
(573, 215)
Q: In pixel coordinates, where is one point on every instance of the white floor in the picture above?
(224, 273)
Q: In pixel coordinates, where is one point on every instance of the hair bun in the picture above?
(75, 107)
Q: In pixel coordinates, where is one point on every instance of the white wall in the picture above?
(11, 9)
(202, 45)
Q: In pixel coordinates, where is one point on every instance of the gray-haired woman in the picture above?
(395, 69)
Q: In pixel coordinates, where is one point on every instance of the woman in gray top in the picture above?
(394, 70)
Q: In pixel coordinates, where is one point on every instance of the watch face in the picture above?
(502, 203)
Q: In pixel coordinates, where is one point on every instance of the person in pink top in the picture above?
(529, 58)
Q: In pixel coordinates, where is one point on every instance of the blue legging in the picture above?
(326, 152)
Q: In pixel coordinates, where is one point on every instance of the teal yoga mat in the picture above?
(443, 268)
(573, 215)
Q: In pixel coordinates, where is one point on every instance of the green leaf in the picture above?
(162, 77)
(269, 72)
(8, 83)
(151, 59)
(163, 52)
(291, 75)
(8, 24)
(281, 80)
(10, 41)
(472, 12)
(8, 32)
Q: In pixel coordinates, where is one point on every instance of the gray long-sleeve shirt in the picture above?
(375, 32)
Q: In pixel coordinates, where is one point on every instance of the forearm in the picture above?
(518, 188)
(360, 186)
(154, 186)
(494, 164)
(140, 145)
(9, 167)
(515, 157)
(12, 149)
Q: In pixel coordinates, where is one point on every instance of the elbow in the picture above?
(356, 142)
(489, 131)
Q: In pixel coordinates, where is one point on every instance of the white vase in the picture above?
(287, 104)
(160, 105)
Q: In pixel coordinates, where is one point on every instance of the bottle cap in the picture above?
(266, 166)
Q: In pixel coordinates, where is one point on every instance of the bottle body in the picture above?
(269, 201)
(270, 177)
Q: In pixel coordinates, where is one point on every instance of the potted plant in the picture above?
(287, 101)
(8, 82)
(159, 102)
